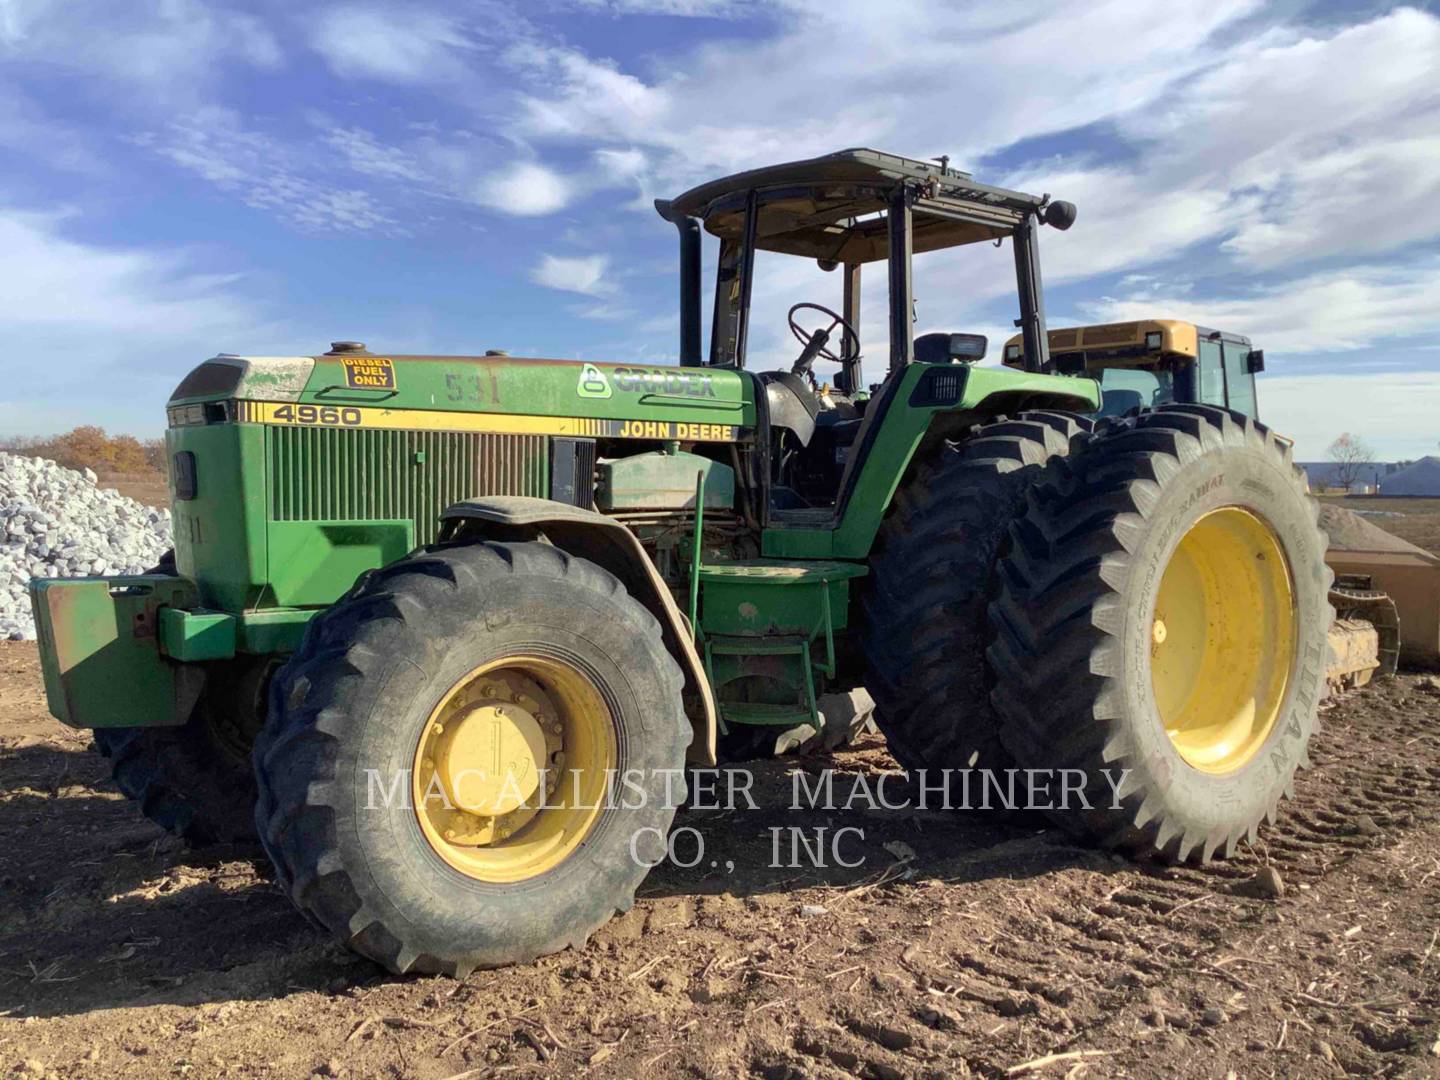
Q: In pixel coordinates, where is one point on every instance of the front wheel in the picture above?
(1160, 632)
(194, 780)
(473, 758)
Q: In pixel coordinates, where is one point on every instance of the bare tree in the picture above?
(1351, 455)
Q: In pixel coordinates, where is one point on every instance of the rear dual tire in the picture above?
(930, 582)
(1162, 618)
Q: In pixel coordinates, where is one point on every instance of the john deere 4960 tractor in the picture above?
(452, 627)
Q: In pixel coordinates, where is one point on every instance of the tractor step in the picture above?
(768, 715)
(764, 619)
(759, 646)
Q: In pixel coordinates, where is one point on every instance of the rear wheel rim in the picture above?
(1223, 639)
(512, 769)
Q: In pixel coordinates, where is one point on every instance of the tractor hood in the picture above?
(352, 387)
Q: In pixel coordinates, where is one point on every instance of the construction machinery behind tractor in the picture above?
(440, 603)
(1382, 586)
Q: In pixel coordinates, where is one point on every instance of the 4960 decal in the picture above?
(324, 415)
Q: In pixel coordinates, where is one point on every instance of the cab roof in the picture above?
(1139, 343)
(832, 207)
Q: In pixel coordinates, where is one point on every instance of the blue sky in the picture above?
(179, 178)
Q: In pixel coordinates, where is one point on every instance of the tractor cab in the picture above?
(817, 416)
(1153, 362)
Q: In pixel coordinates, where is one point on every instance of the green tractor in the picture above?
(449, 630)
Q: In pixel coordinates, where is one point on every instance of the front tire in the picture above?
(1162, 619)
(194, 779)
(420, 681)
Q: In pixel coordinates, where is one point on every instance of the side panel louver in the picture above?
(334, 474)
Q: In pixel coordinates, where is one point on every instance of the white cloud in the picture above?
(524, 189)
(170, 49)
(1124, 222)
(723, 9)
(409, 45)
(1276, 149)
(26, 129)
(594, 98)
(364, 153)
(268, 174)
(1333, 311)
(105, 323)
(1267, 161)
(50, 280)
(1393, 412)
(1336, 139)
(1348, 200)
(588, 275)
(912, 75)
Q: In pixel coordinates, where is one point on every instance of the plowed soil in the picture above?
(963, 945)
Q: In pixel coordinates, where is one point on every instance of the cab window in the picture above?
(1239, 383)
(1212, 374)
(1124, 389)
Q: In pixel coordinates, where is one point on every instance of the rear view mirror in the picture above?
(1255, 361)
(968, 348)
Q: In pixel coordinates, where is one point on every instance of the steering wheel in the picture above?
(816, 343)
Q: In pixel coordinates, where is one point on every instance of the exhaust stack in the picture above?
(689, 229)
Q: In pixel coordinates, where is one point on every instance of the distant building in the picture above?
(1325, 475)
(1418, 478)
(1379, 478)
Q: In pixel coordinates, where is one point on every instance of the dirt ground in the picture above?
(962, 946)
(148, 488)
(1413, 518)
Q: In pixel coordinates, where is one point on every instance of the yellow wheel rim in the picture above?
(513, 768)
(1223, 639)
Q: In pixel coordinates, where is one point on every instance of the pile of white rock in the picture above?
(55, 522)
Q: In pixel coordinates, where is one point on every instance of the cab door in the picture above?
(1225, 378)
(1239, 382)
(1211, 366)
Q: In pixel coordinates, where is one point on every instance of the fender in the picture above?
(920, 405)
(605, 542)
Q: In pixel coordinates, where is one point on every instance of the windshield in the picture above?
(1128, 388)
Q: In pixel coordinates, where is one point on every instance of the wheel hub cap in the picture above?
(489, 763)
(511, 768)
(1223, 639)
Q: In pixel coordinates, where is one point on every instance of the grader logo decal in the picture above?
(369, 373)
(593, 383)
(671, 382)
(354, 416)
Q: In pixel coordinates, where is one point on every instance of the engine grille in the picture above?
(345, 474)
